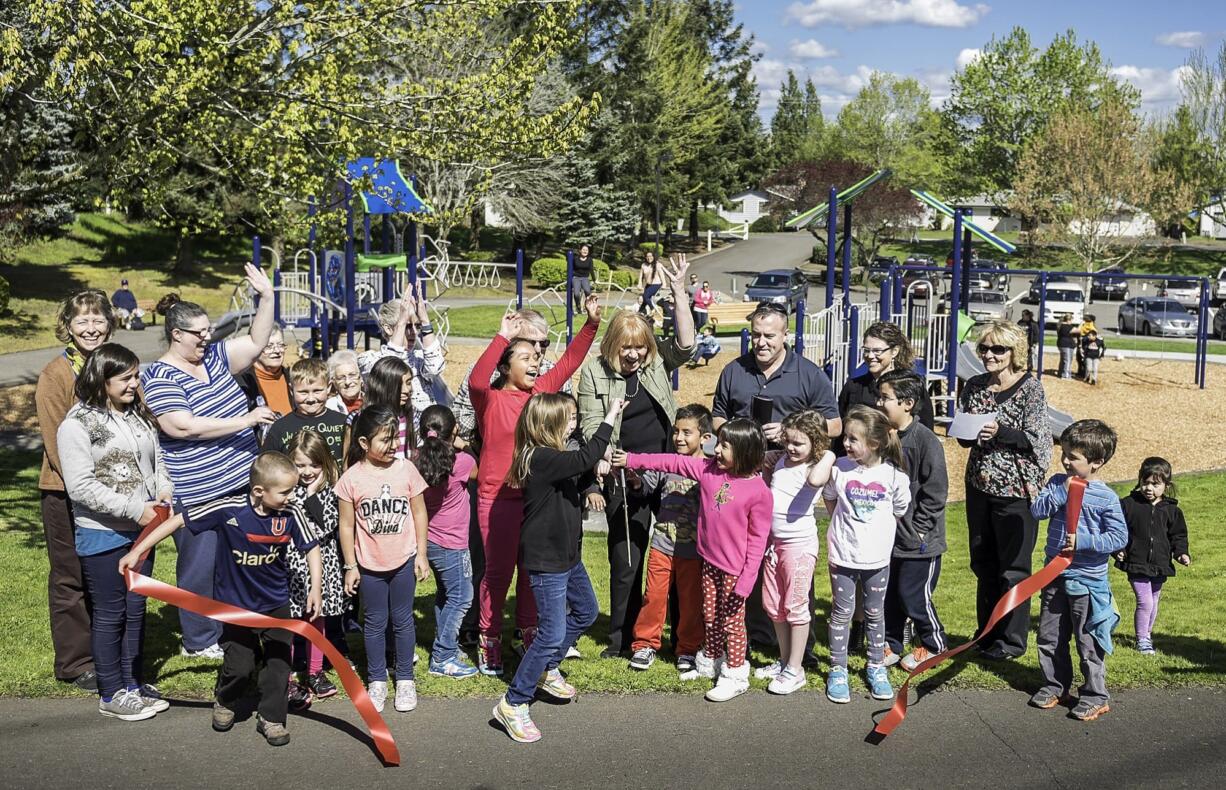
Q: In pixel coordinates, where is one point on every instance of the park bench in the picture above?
(148, 305)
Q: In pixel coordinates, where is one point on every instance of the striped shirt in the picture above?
(202, 470)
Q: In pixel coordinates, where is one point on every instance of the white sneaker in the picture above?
(787, 681)
(573, 652)
(733, 682)
(212, 652)
(768, 672)
(126, 706)
(406, 695)
(377, 691)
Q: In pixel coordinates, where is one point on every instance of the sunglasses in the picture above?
(540, 344)
(997, 351)
(774, 307)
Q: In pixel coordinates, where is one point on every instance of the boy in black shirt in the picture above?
(308, 381)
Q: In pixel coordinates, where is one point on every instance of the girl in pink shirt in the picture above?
(383, 527)
(734, 521)
(447, 473)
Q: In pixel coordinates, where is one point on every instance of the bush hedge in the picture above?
(479, 256)
(766, 224)
(651, 246)
(550, 272)
(5, 293)
(710, 220)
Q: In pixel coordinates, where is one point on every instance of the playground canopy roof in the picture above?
(938, 205)
(391, 192)
(806, 218)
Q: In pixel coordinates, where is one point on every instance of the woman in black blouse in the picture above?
(885, 348)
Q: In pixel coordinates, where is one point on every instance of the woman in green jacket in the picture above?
(633, 367)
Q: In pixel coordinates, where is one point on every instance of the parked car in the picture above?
(781, 286)
(1219, 323)
(1109, 285)
(1183, 291)
(879, 269)
(1219, 287)
(1063, 298)
(1000, 277)
(922, 284)
(984, 305)
(1156, 316)
(1032, 296)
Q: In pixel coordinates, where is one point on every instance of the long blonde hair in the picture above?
(877, 434)
(542, 423)
(626, 328)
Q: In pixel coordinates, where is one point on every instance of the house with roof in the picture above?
(1213, 220)
(986, 211)
(751, 205)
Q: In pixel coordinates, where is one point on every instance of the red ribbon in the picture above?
(225, 613)
(1012, 599)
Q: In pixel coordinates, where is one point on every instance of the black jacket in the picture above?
(1066, 336)
(1157, 533)
(1032, 331)
(552, 533)
(921, 532)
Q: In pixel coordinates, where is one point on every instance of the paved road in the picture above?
(951, 739)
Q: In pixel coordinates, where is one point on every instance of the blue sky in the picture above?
(840, 42)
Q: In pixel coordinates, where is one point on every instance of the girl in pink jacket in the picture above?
(734, 521)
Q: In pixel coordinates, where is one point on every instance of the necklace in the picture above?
(637, 386)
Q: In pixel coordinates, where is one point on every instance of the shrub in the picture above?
(461, 238)
(765, 224)
(549, 272)
(651, 246)
(625, 278)
(479, 256)
(710, 220)
(4, 296)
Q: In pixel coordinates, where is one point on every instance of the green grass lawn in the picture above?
(1188, 636)
(1139, 343)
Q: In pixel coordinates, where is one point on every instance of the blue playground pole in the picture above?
(385, 245)
(967, 263)
(898, 289)
(1202, 334)
(1038, 368)
(744, 342)
(887, 292)
(676, 379)
(366, 234)
(350, 267)
(519, 279)
(570, 295)
(799, 345)
(951, 352)
(847, 254)
(832, 230)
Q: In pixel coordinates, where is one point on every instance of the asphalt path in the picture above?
(1152, 738)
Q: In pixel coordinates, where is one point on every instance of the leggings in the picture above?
(1148, 590)
(315, 656)
(723, 617)
(873, 584)
(389, 595)
(500, 520)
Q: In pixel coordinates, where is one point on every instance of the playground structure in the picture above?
(830, 337)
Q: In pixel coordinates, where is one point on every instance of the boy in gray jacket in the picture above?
(919, 543)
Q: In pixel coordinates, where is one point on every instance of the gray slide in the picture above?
(969, 365)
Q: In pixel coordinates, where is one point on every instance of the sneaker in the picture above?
(889, 657)
(553, 684)
(787, 681)
(1045, 700)
(150, 697)
(321, 686)
(125, 706)
(213, 652)
(685, 664)
(1089, 711)
(517, 721)
(489, 656)
(879, 682)
(454, 667)
(769, 672)
(704, 667)
(837, 689)
(573, 652)
(223, 717)
(918, 655)
(299, 696)
(1146, 647)
(643, 658)
(406, 696)
(377, 691)
(87, 681)
(521, 639)
(274, 733)
(732, 683)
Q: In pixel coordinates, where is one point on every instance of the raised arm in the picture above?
(242, 351)
(479, 377)
(683, 320)
(576, 352)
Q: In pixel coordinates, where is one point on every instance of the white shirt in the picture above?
(792, 518)
(870, 500)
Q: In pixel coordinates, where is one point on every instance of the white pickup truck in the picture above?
(1218, 296)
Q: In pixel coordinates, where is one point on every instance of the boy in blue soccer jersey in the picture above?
(253, 531)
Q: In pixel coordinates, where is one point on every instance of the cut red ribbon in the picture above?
(225, 613)
(1012, 599)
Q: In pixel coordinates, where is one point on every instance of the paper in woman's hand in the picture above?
(967, 426)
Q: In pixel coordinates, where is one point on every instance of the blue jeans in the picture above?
(557, 629)
(194, 573)
(388, 595)
(117, 630)
(453, 575)
(649, 294)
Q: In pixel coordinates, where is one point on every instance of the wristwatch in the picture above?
(350, 567)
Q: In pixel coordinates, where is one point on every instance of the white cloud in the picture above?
(1186, 39)
(966, 57)
(759, 47)
(812, 49)
(1160, 88)
(868, 13)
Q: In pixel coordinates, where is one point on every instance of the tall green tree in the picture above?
(890, 124)
(1204, 90)
(1009, 93)
(1183, 151)
(788, 124)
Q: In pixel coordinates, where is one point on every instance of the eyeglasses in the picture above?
(275, 347)
(875, 352)
(996, 351)
(540, 344)
(200, 333)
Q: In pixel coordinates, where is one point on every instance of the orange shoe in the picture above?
(918, 655)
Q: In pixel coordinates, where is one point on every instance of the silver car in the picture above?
(1156, 316)
(1185, 292)
(983, 305)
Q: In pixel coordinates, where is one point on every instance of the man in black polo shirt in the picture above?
(791, 383)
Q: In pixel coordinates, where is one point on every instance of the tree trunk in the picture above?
(475, 221)
(694, 220)
(185, 254)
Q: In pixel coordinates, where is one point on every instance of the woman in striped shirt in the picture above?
(207, 435)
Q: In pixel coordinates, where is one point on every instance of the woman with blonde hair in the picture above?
(633, 367)
(1005, 472)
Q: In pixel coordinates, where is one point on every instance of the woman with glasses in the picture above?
(346, 382)
(266, 382)
(207, 433)
(883, 349)
(84, 322)
(1005, 471)
(633, 367)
